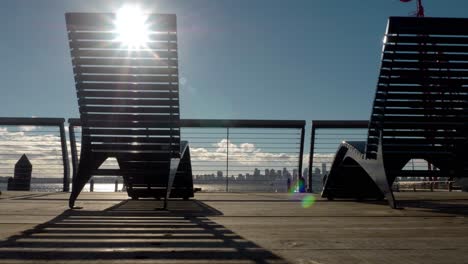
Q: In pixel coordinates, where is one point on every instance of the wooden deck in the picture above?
(432, 227)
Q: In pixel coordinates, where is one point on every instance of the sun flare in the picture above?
(131, 27)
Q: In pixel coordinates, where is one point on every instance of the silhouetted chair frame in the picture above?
(129, 106)
(420, 111)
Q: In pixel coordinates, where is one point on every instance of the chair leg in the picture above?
(172, 172)
(88, 163)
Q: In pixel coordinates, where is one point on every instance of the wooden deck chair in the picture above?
(420, 111)
(129, 106)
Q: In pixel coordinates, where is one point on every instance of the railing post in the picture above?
(227, 160)
(66, 165)
(311, 156)
(74, 153)
(301, 153)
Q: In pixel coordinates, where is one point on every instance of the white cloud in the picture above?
(27, 128)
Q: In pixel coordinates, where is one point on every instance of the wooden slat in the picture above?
(128, 94)
(427, 39)
(424, 65)
(110, 139)
(419, 125)
(124, 124)
(429, 57)
(422, 47)
(129, 147)
(419, 88)
(127, 86)
(97, 44)
(127, 70)
(129, 102)
(425, 73)
(421, 141)
(422, 96)
(425, 81)
(419, 104)
(128, 117)
(125, 62)
(131, 132)
(427, 26)
(416, 133)
(421, 111)
(129, 110)
(141, 156)
(129, 78)
(124, 54)
(416, 148)
(113, 36)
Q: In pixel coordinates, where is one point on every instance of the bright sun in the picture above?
(130, 24)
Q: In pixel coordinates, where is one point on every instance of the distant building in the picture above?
(219, 174)
(256, 172)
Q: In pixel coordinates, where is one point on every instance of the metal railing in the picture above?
(325, 138)
(235, 155)
(43, 141)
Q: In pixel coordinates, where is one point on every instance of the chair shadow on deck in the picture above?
(445, 206)
(134, 231)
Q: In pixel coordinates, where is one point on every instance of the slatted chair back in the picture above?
(128, 98)
(421, 103)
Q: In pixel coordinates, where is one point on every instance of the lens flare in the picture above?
(308, 201)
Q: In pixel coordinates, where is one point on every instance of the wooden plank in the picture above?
(129, 94)
(128, 86)
(427, 26)
(424, 65)
(422, 48)
(127, 124)
(425, 81)
(419, 104)
(131, 132)
(421, 111)
(127, 102)
(140, 156)
(114, 36)
(130, 147)
(417, 39)
(419, 88)
(422, 96)
(416, 133)
(129, 78)
(102, 53)
(127, 70)
(419, 125)
(428, 57)
(129, 110)
(99, 44)
(424, 73)
(422, 141)
(125, 62)
(110, 139)
(128, 117)
(423, 119)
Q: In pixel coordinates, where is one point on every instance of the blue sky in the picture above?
(243, 59)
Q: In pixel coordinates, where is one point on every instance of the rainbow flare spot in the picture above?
(308, 201)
